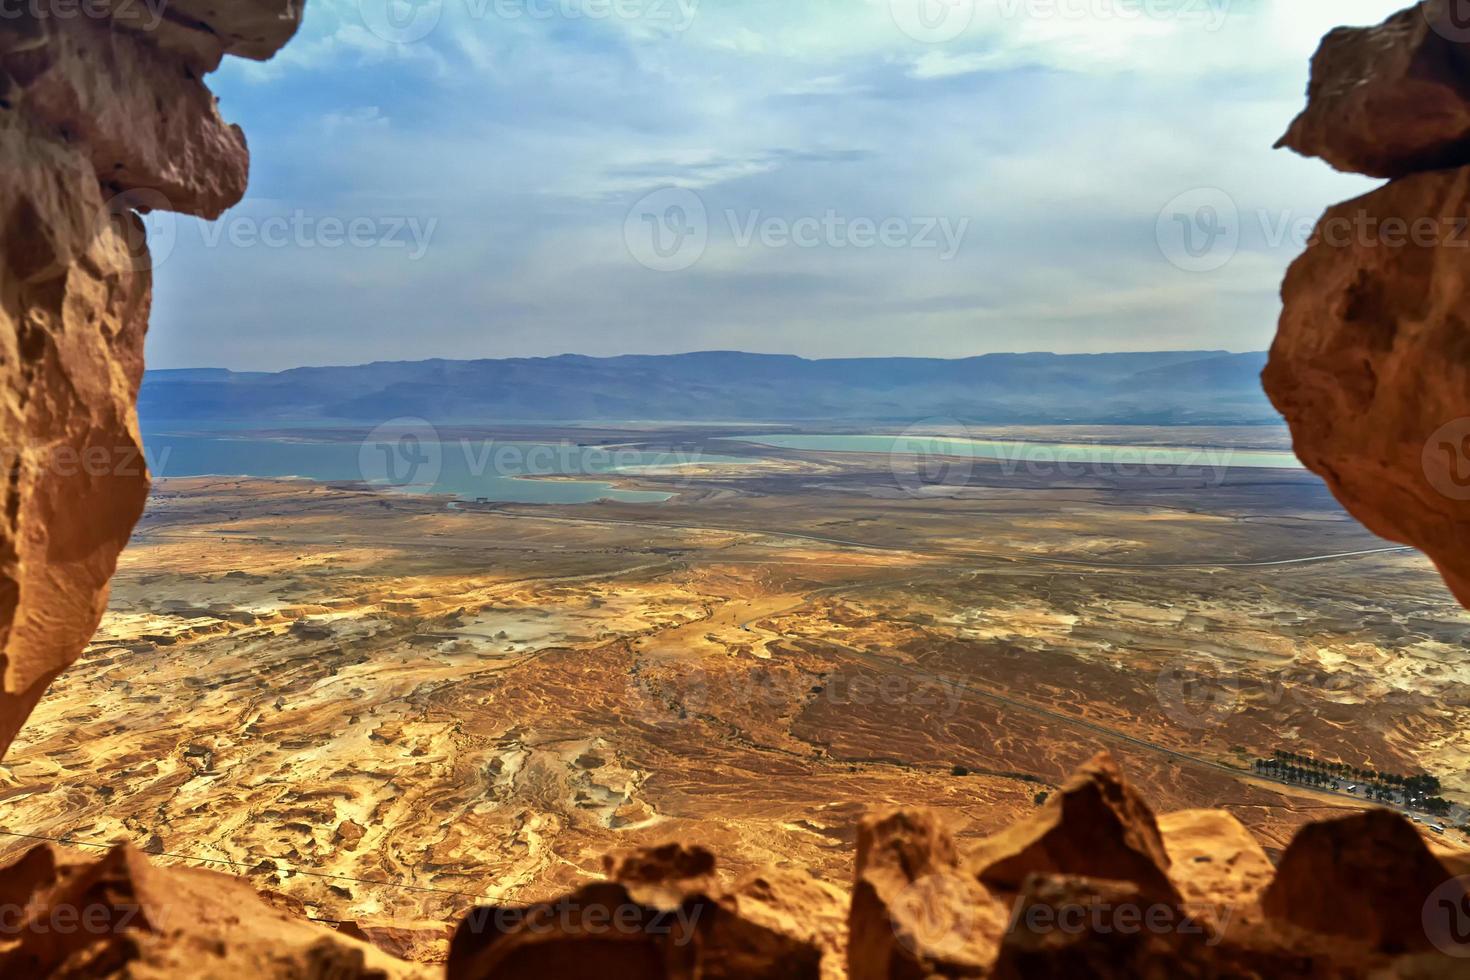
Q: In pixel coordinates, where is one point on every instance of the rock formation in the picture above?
(916, 910)
(104, 117)
(120, 915)
(1371, 363)
(667, 918)
(1334, 873)
(100, 117)
(1389, 101)
(1096, 826)
(1354, 897)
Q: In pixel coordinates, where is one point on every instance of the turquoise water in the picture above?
(410, 462)
(1033, 453)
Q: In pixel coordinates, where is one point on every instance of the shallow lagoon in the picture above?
(469, 469)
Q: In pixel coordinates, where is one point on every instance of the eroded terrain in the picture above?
(386, 706)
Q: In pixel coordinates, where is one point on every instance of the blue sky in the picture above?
(487, 178)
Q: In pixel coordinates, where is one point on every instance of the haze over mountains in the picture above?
(1177, 387)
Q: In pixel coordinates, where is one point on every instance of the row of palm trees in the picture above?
(1380, 786)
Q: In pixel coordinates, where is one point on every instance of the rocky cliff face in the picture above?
(100, 117)
(1371, 364)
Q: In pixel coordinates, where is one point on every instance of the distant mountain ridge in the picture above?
(1179, 387)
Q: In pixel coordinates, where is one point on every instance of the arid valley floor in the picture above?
(386, 706)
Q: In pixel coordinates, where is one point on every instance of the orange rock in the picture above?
(1390, 100)
(665, 864)
(417, 942)
(119, 915)
(1371, 368)
(99, 118)
(1365, 878)
(1221, 871)
(681, 928)
(916, 911)
(1067, 926)
(1095, 826)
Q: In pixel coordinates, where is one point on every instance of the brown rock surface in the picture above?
(680, 926)
(1097, 826)
(417, 942)
(120, 915)
(916, 912)
(99, 119)
(1220, 869)
(1371, 363)
(1390, 100)
(1068, 926)
(1364, 879)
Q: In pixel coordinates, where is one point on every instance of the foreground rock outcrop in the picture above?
(1190, 894)
(1196, 897)
(1371, 363)
(100, 117)
(120, 915)
(661, 913)
(1096, 826)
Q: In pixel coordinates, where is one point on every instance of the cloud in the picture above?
(527, 129)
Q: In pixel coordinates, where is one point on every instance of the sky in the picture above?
(828, 178)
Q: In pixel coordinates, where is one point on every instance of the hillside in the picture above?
(1159, 387)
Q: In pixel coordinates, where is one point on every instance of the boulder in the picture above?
(1220, 869)
(1368, 879)
(118, 915)
(1390, 100)
(1371, 363)
(916, 911)
(1067, 926)
(679, 927)
(415, 941)
(1096, 826)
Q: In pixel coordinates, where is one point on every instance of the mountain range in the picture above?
(1162, 387)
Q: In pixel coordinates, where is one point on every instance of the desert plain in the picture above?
(398, 705)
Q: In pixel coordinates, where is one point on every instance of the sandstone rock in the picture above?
(1095, 826)
(1365, 879)
(417, 942)
(147, 126)
(916, 912)
(665, 864)
(73, 313)
(1221, 871)
(1067, 926)
(1390, 100)
(97, 120)
(118, 915)
(1371, 363)
(681, 928)
(794, 904)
